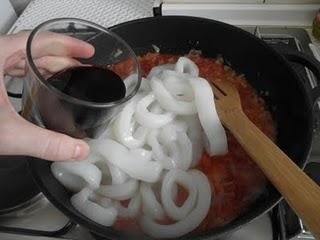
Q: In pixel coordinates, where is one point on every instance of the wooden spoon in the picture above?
(301, 193)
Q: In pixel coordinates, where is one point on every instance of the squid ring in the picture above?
(208, 116)
(168, 102)
(149, 119)
(104, 216)
(122, 128)
(120, 156)
(151, 205)
(119, 191)
(183, 178)
(185, 65)
(191, 221)
(133, 207)
(77, 175)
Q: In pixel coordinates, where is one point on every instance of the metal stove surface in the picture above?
(278, 224)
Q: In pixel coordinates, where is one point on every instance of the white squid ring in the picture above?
(168, 102)
(183, 178)
(150, 204)
(191, 221)
(167, 161)
(168, 133)
(104, 216)
(185, 149)
(117, 175)
(177, 84)
(119, 191)
(133, 207)
(149, 119)
(208, 116)
(194, 133)
(122, 128)
(156, 71)
(120, 156)
(76, 175)
(175, 149)
(185, 65)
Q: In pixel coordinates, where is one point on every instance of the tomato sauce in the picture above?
(235, 179)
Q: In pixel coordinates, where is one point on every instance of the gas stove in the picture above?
(27, 214)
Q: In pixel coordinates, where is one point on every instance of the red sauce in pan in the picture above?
(235, 179)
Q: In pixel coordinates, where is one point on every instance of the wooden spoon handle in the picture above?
(301, 193)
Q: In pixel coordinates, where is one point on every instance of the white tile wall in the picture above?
(7, 16)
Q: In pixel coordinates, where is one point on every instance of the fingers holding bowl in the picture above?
(49, 51)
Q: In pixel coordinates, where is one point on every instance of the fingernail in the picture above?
(77, 153)
(81, 151)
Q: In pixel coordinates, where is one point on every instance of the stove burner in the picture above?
(16, 184)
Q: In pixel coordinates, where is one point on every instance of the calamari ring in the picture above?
(191, 221)
(104, 216)
(77, 175)
(149, 119)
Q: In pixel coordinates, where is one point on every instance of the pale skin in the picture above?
(17, 135)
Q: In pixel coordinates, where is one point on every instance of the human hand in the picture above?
(17, 135)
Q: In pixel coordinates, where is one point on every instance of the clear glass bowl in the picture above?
(48, 107)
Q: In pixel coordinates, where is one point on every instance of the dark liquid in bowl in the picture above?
(89, 83)
(93, 84)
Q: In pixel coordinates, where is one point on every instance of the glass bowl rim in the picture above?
(59, 93)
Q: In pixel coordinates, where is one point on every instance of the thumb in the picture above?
(20, 137)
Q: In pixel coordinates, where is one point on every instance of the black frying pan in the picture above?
(266, 70)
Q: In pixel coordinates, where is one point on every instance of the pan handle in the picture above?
(311, 63)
